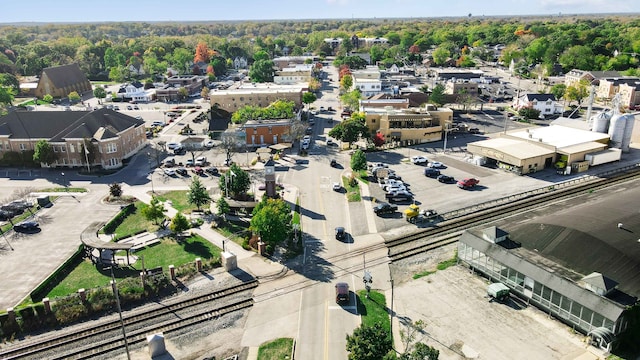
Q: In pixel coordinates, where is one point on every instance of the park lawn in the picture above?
(84, 276)
(135, 223)
(233, 231)
(374, 309)
(168, 252)
(172, 252)
(278, 349)
(178, 200)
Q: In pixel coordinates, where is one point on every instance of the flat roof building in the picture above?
(533, 149)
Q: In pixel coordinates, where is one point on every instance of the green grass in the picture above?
(64, 189)
(277, 349)
(423, 274)
(363, 176)
(443, 265)
(353, 192)
(135, 223)
(373, 309)
(233, 231)
(168, 252)
(178, 200)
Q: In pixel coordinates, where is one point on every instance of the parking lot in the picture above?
(429, 193)
(461, 322)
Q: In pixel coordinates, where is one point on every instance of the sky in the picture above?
(213, 10)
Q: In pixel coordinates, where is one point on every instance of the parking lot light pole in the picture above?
(150, 172)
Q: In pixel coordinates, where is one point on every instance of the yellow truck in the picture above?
(414, 215)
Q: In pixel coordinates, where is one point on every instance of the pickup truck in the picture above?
(385, 208)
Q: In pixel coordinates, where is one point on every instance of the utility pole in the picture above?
(115, 293)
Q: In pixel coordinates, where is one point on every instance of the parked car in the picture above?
(333, 163)
(446, 179)
(211, 170)
(181, 171)
(129, 107)
(169, 162)
(169, 172)
(198, 170)
(385, 208)
(467, 183)
(172, 145)
(135, 107)
(180, 150)
(431, 172)
(474, 131)
(400, 197)
(419, 160)
(436, 165)
(200, 161)
(336, 186)
(342, 292)
(208, 144)
(6, 215)
(26, 226)
(340, 233)
(330, 142)
(189, 162)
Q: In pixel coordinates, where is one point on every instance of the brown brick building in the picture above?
(109, 136)
(59, 81)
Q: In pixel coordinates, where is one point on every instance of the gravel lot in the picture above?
(461, 322)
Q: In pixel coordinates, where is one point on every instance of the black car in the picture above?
(385, 208)
(334, 163)
(26, 226)
(12, 208)
(5, 215)
(182, 171)
(340, 233)
(431, 172)
(211, 170)
(446, 179)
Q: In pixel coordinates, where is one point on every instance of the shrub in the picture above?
(70, 309)
(101, 299)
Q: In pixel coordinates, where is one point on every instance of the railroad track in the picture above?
(448, 231)
(32, 349)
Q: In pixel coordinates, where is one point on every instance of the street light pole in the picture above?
(64, 182)
(150, 172)
(115, 293)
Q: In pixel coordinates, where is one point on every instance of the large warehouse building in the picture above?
(528, 150)
(580, 263)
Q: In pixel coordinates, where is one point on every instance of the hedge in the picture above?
(112, 225)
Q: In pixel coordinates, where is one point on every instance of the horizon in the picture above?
(68, 12)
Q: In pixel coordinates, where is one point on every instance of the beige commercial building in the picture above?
(533, 149)
(261, 96)
(408, 126)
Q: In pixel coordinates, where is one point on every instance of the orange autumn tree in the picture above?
(203, 53)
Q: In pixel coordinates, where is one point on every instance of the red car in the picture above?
(198, 170)
(467, 183)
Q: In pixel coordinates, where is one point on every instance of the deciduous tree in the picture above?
(350, 130)
(368, 343)
(437, 96)
(272, 220)
(236, 181)
(262, 71)
(43, 153)
(154, 211)
(358, 161)
(308, 98)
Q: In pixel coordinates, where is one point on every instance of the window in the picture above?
(72, 148)
(63, 148)
(111, 148)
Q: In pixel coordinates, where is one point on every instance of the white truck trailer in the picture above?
(603, 157)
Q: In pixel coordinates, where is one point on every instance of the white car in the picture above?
(172, 145)
(336, 186)
(305, 146)
(419, 159)
(306, 138)
(208, 144)
(436, 164)
(201, 161)
(169, 172)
